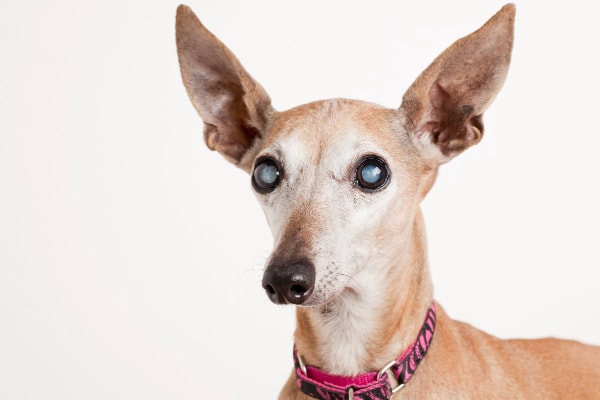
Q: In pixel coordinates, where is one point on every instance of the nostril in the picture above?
(269, 289)
(301, 282)
(298, 290)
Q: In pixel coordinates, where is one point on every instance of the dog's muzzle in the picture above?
(293, 283)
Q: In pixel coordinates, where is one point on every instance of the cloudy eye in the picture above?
(372, 174)
(266, 175)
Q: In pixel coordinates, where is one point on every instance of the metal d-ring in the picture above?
(301, 363)
(351, 393)
(393, 380)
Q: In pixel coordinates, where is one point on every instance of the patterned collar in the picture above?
(380, 385)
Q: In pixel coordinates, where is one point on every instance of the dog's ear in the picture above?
(444, 106)
(233, 106)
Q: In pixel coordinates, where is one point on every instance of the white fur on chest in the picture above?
(346, 328)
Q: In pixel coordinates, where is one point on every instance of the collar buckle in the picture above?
(395, 385)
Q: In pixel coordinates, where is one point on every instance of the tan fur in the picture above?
(319, 145)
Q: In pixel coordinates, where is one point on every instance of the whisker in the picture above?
(257, 269)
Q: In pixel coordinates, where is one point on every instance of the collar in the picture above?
(379, 385)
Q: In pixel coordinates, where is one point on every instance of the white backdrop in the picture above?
(131, 256)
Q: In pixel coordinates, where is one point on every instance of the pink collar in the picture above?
(371, 385)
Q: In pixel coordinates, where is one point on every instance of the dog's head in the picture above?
(340, 181)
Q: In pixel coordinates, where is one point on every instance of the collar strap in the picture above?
(319, 384)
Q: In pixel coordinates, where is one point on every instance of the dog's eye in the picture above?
(266, 175)
(372, 174)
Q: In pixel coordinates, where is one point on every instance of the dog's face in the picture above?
(340, 181)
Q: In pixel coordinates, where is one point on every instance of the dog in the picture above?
(341, 182)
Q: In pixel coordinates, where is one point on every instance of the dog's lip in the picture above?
(325, 302)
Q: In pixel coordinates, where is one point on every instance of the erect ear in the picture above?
(444, 106)
(233, 106)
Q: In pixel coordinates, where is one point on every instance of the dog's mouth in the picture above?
(327, 303)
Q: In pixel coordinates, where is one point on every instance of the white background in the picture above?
(131, 256)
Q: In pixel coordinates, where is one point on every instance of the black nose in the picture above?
(289, 283)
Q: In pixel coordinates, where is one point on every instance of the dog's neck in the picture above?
(362, 331)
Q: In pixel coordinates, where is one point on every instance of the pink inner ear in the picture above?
(439, 98)
(446, 102)
(451, 125)
(438, 117)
